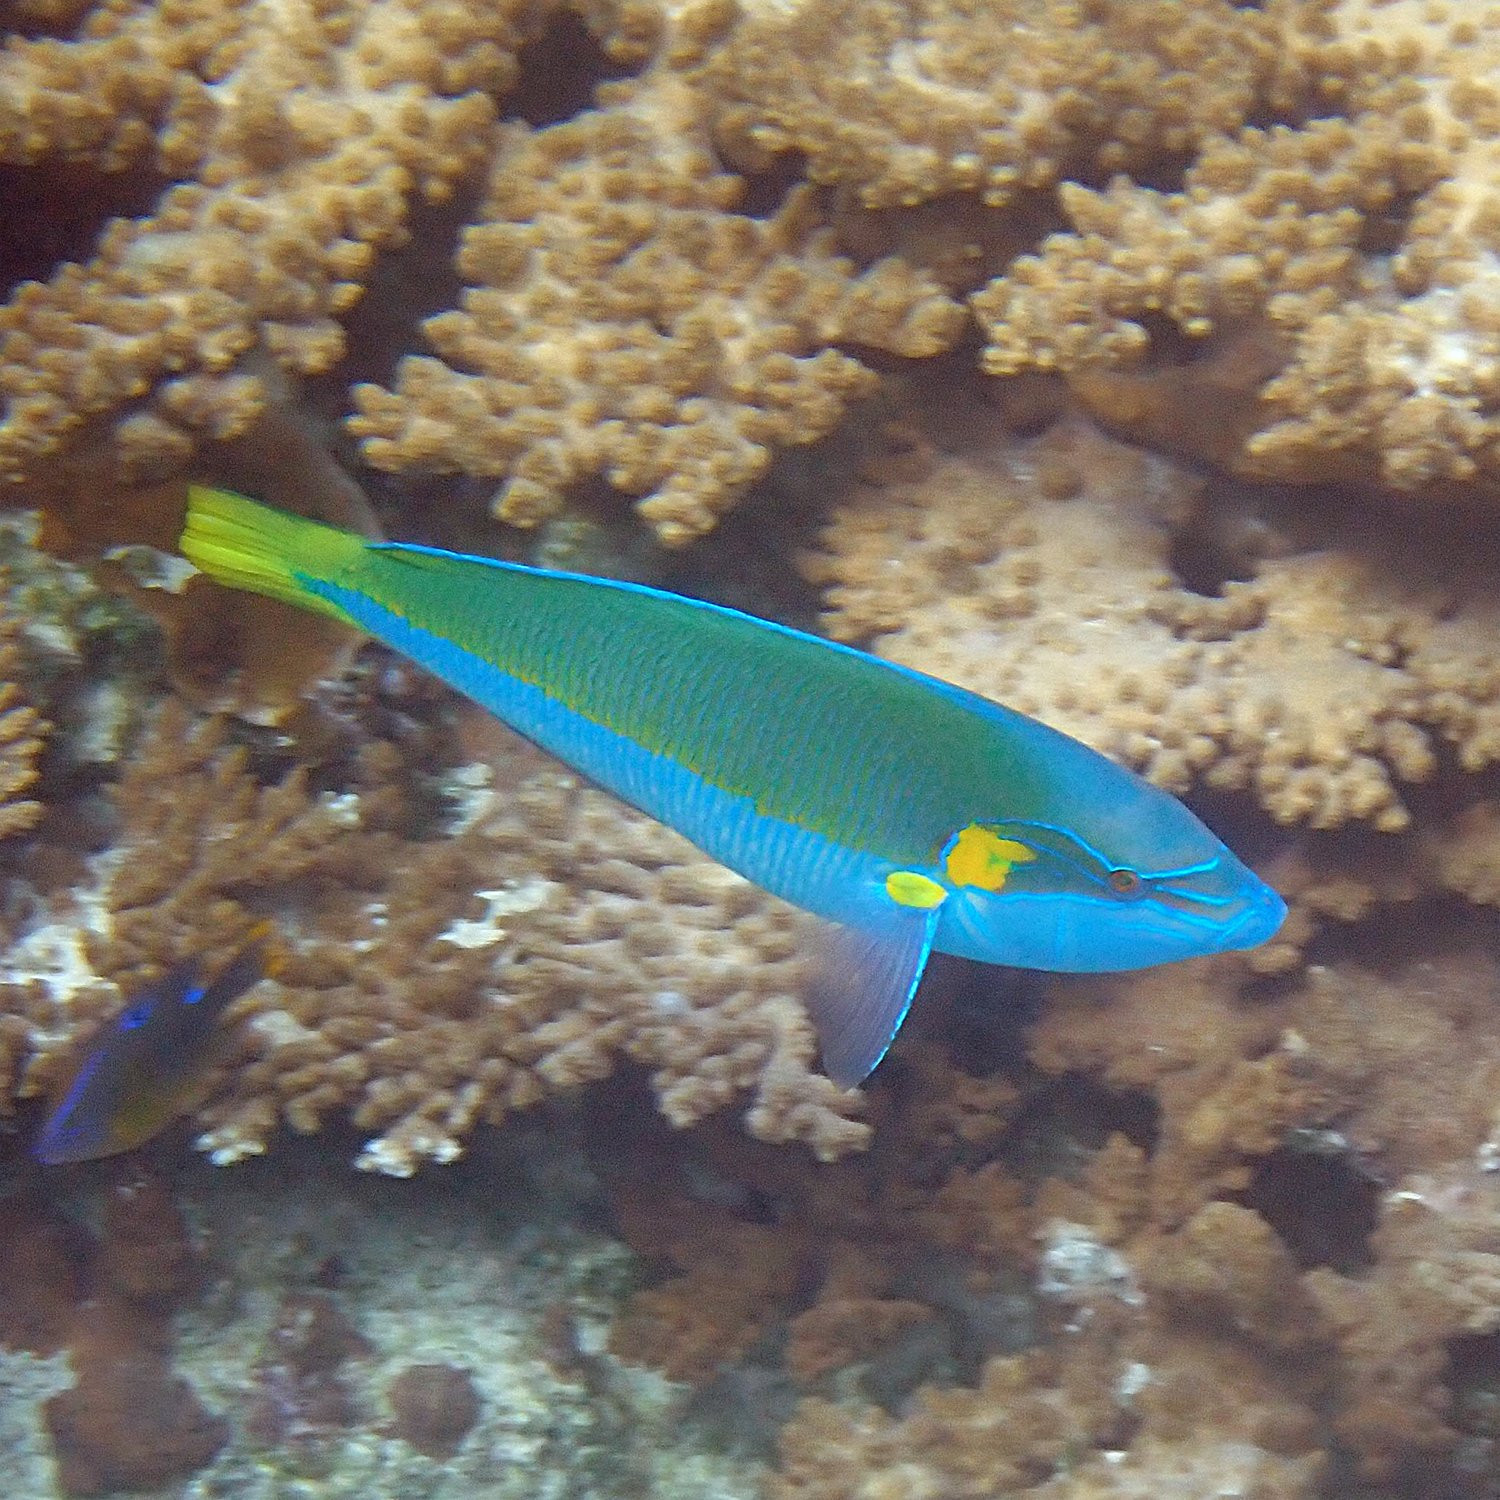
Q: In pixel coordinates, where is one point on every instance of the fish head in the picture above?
(1141, 882)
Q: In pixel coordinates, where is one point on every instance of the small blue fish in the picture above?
(915, 816)
(143, 1066)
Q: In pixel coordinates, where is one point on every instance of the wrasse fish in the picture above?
(143, 1066)
(911, 813)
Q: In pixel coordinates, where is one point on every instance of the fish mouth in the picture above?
(1259, 922)
(1256, 917)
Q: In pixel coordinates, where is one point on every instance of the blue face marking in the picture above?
(1203, 867)
(68, 1122)
(1072, 908)
(195, 994)
(1199, 898)
(135, 1016)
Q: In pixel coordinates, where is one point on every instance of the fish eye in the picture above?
(1125, 883)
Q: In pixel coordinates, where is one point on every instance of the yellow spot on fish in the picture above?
(912, 888)
(980, 857)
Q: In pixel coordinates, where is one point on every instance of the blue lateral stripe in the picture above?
(798, 864)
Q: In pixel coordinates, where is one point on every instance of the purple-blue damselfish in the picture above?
(143, 1067)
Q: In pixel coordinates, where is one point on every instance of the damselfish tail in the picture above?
(251, 546)
(255, 960)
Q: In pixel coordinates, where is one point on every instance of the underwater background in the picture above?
(1134, 363)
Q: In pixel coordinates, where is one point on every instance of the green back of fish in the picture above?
(874, 757)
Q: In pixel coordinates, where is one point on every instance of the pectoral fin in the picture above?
(862, 989)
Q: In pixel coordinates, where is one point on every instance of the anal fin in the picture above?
(862, 988)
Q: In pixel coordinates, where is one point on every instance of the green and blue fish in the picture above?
(144, 1066)
(912, 814)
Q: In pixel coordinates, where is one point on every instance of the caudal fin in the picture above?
(252, 546)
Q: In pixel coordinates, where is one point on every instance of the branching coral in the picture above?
(630, 317)
(997, 1439)
(622, 320)
(296, 137)
(907, 100)
(1044, 579)
(746, 1273)
(21, 731)
(1333, 1084)
(952, 1447)
(431, 983)
(1281, 1270)
(1362, 248)
(1274, 1240)
(1054, 1423)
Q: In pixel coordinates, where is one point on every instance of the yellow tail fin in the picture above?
(251, 546)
